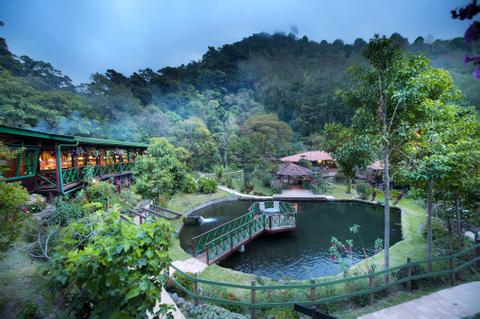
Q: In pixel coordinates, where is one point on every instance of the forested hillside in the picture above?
(264, 94)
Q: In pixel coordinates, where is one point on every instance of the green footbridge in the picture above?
(262, 217)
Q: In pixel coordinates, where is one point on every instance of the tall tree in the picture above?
(390, 93)
(441, 148)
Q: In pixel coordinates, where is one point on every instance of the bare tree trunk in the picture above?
(429, 223)
(386, 180)
(349, 185)
(457, 214)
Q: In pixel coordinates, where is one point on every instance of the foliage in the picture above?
(229, 182)
(99, 192)
(218, 170)
(183, 281)
(189, 184)
(195, 137)
(282, 313)
(12, 197)
(66, 211)
(204, 310)
(110, 268)
(36, 203)
(350, 150)
(207, 185)
(159, 171)
(268, 135)
(364, 190)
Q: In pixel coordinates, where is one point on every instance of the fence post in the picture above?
(253, 295)
(409, 274)
(452, 274)
(195, 289)
(371, 285)
(477, 241)
(313, 292)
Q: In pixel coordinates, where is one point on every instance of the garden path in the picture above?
(457, 302)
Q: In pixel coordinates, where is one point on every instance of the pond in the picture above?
(303, 253)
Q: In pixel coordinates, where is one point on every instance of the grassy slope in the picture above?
(20, 284)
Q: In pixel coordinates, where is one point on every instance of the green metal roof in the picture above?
(68, 138)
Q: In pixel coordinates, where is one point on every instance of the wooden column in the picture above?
(195, 289)
(58, 163)
(409, 274)
(313, 292)
(371, 285)
(253, 297)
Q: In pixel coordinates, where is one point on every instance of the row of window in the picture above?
(24, 164)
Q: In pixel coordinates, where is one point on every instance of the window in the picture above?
(47, 160)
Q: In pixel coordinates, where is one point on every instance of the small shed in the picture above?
(290, 173)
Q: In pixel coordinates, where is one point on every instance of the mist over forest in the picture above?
(266, 94)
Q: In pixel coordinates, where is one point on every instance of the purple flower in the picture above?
(476, 73)
(473, 32)
(474, 59)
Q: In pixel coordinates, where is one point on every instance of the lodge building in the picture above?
(57, 164)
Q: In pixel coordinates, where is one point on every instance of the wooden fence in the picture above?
(318, 291)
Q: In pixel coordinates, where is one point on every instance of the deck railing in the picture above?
(318, 291)
(72, 175)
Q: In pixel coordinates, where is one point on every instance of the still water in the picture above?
(303, 253)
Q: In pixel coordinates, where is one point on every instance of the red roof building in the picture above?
(311, 156)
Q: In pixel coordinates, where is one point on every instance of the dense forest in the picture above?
(268, 93)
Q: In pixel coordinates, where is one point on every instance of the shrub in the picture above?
(364, 190)
(87, 255)
(316, 189)
(36, 203)
(12, 197)
(189, 184)
(207, 185)
(183, 281)
(229, 182)
(218, 170)
(204, 311)
(66, 211)
(100, 192)
(159, 170)
(416, 270)
(282, 313)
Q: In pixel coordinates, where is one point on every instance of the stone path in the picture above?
(452, 303)
(191, 265)
(286, 194)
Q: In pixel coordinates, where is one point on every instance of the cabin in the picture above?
(290, 174)
(57, 164)
(321, 162)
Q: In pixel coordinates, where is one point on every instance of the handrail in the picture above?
(220, 226)
(352, 278)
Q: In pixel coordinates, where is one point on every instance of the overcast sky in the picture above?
(81, 37)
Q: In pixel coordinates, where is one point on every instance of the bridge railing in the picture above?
(199, 242)
(227, 243)
(284, 207)
(277, 221)
(320, 291)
